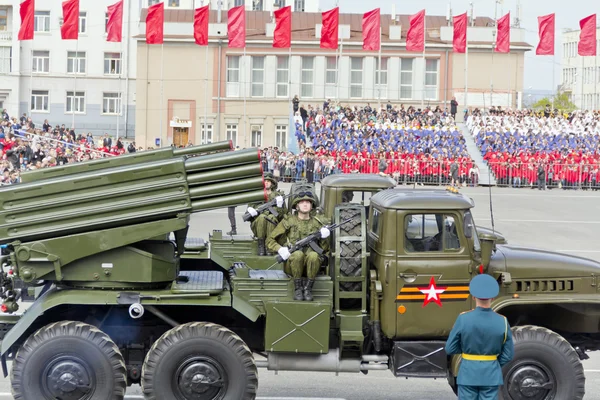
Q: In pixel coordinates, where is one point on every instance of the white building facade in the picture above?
(580, 75)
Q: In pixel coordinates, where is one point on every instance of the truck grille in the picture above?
(561, 285)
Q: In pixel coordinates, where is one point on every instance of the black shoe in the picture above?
(298, 290)
(232, 232)
(261, 247)
(308, 289)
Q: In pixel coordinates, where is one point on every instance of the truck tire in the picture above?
(181, 361)
(46, 367)
(542, 357)
(351, 253)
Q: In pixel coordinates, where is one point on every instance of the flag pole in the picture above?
(424, 61)
(508, 69)
(553, 82)
(75, 69)
(162, 67)
(31, 81)
(244, 88)
(467, 65)
(379, 75)
(206, 92)
(119, 101)
(291, 111)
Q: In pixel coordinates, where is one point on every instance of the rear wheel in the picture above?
(69, 361)
(545, 367)
(199, 361)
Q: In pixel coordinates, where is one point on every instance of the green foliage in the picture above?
(561, 102)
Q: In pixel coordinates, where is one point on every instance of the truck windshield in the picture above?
(470, 231)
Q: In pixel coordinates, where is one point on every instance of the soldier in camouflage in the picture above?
(305, 262)
(262, 225)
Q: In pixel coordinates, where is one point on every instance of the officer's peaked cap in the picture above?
(484, 287)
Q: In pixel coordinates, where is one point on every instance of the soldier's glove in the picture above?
(325, 233)
(279, 200)
(284, 252)
(252, 211)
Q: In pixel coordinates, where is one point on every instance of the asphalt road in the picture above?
(567, 221)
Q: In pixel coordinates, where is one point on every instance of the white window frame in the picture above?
(281, 134)
(83, 22)
(78, 60)
(111, 103)
(109, 57)
(384, 77)
(307, 77)
(409, 74)
(232, 87)
(3, 20)
(41, 59)
(257, 5)
(231, 131)
(153, 2)
(41, 21)
(40, 97)
(283, 76)
(173, 3)
(356, 77)
(105, 23)
(258, 77)
(431, 88)
(331, 69)
(206, 137)
(5, 59)
(299, 5)
(256, 133)
(76, 99)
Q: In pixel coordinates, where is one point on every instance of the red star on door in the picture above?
(432, 293)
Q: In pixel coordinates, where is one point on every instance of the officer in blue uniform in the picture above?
(484, 340)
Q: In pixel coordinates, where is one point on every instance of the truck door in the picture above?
(433, 273)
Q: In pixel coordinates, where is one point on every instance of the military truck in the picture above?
(122, 297)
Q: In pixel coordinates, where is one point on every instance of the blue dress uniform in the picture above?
(485, 341)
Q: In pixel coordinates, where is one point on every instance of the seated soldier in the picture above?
(262, 225)
(304, 261)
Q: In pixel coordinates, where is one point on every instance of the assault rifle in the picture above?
(311, 240)
(269, 205)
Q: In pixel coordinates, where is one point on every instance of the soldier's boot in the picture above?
(298, 290)
(261, 247)
(233, 231)
(308, 289)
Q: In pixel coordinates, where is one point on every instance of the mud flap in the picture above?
(420, 359)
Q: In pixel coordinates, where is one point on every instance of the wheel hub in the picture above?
(531, 382)
(201, 378)
(67, 378)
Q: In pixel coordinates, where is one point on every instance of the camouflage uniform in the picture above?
(302, 262)
(265, 222)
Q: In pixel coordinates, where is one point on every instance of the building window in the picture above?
(76, 62)
(258, 76)
(356, 82)
(233, 76)
(237, 3)
(406, 78)
(232, 132)
(41, 21)
(206, 136)
(75, 103)
(381, 89)
(283, 76)
(112, 63)
(111, 103)
(3, 19)
(256, 135)
(281, 132)
(299, 5)
(41, 61)
(173, 3)
(257, 5)
(307, 76)
(39, 100)
(82, 21)
(5, 59)
(153, 2)
(431, 78)
(331, 77)
(106, 22)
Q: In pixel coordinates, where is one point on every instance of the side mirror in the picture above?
(488, 245)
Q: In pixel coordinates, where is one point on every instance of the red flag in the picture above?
(503, 36)
(329, 29)
(114, 26)
(27, 13)
(282, 36)
(546, 30)
(371, 27)
(155, 21)
(236, 26)
(70, 26)
(415, 37)
(201, 25)
(460, 33)
(587, 37)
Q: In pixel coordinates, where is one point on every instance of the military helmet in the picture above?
(269, 177)
(304, 196)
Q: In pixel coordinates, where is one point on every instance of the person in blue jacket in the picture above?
(484, 340)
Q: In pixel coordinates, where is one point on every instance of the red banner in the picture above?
(503, 36)
(587, 37)
(236, 26)
(114, 26)
(415, 37)
(459, 42)
(282, 36)
(27, 13)
(70, 26)
(201, 25)
(155, 21)
(371, 27)
(330, 28)
(546, 31)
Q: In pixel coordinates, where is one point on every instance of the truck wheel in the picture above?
(68, 360)
(351, 253)
(199, 361)
(545, 366)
